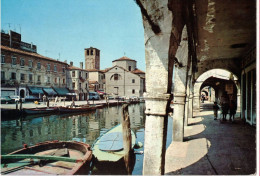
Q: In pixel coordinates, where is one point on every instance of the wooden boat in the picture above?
(51, 157)
(75, 109)
(43, 110)
(109, 146)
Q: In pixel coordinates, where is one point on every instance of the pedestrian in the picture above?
(202, 98)
(232, 110)
(44, 99)
(215, 110)
(224, 105)
(56, 99)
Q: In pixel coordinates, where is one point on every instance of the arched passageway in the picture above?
(220, 80)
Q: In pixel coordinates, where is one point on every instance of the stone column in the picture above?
(190, 108)
(180, 79)
(186, 119)
(161, 43)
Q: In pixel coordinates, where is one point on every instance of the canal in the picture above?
(78, 127)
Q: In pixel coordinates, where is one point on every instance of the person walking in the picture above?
(232, 110)
(215, 110)
(224, 105)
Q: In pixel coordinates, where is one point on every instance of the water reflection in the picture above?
(79, 127)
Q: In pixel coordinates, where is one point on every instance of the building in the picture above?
(77, 81)
(92, 58)
(25, 72)
(124, 79)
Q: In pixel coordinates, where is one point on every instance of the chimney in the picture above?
(81, 65)
(71, 63)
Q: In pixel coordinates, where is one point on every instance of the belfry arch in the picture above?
(216, 75)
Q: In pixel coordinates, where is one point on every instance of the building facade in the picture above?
(77, 81)
(25, 72)
(124, 79)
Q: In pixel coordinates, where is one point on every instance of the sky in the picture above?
(62, 29)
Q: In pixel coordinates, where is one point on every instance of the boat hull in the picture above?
(40, 110)
(75, 150)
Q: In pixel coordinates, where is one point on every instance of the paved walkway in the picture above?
(213, 148)
(32, 105)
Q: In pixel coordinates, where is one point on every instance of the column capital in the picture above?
(156, 104)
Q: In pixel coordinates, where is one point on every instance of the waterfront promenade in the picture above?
(52, 104)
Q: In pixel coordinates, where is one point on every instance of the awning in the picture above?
(49, 91)
(35, 90)
(61, 91)
(100, 92)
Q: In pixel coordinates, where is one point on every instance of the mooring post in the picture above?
(21, 104)
(16, 103)
(127, 139)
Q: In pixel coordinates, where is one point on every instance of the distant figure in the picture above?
(224, 101)
(44, 99)
(73, 103)
(202, 98)
(56, 99)
(215, 110)
(48, 102)
(232, 110)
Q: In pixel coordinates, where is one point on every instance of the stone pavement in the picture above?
(213, 148)
(52, 103)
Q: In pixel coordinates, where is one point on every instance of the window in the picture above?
(2, 59)
(79, 85)
(22, 62)
(73, 73)
(115, 77)
(91, 52)
(86, 75)
(73, 85)
(39, 78)
(63, 69)
(2, 75)
(133, 91)
(129, 68)
(86, 86)
(80, 74)
(87, 52)
(48, 79)
(30, 77)
(39, 65)
(22, 77)
(55, 68)
(30, 64)
(13, 60)
(133, 80)
(48, 67)
(13, 75)
(55, 80)
(63, 81)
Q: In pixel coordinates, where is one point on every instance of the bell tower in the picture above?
(92, 58)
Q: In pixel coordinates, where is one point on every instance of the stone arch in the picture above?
(215, 73)
(116, 77)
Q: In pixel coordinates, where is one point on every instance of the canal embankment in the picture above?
(11, 110)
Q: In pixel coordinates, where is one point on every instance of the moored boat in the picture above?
(109, 147)
(44, 110)
(51, 157)
(76, 109)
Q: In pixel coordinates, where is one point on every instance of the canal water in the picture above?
(78, 127)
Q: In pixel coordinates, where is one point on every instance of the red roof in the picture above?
(137, 71)
(75, 68)
(93, 82)
(124, 58)
(29, 54)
